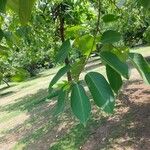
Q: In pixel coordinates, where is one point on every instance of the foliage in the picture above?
(69, 32)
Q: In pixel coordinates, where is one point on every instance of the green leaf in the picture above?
(80, 103)
(85, 44)
(60, 102)
(63, 51)
(109, 18)
(59, 74)
(25, 8)
(101, 91)
(3, 6)
(77, 68)
(110, 37)
(114, 78)
(113, 61)
(141, 65)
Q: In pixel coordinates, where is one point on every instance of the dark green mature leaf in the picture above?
(3, 6)
(101, 91)
(109, 18)
(113, 61)
(114, 78)
(59, 74)
(63, 51)
(85, 44)
(110, 37)
(142, 66)
(60, 102)
(25, 8)
(80, 103)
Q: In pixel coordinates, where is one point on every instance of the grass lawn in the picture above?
(27, 121)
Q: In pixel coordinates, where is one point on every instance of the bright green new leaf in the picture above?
(109, 18)
(113, 61)
(110, 37)
(63, 51)
(59, 74)
(142, 66)
(101, 91)
(80, 103)
(25, 8)
(114, 78)
(3, 6)
(85, 44)
(60, 102)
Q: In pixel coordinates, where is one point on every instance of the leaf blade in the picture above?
(80, 103)
(114, 79)
(58, 75)
(101, 91)
(141, 65)
(113, 61)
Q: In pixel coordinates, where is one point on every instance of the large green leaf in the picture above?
(25, 8)
(101, 91)
(63, 51)
(3, 5)
(80, 103)
(113, 61)
(60, 102)
(142, 66)
(109, 18)
(110, 37)
(114, 78)
(58, 75)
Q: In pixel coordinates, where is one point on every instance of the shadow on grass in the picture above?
(6, 94)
